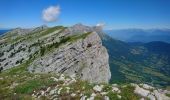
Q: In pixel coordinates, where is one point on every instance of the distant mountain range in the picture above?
(138, 62)
(3, 31)
(140, 35)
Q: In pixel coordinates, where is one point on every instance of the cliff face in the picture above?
(74, 50)
(85, 57)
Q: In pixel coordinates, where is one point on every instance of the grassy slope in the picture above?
(29, 82)
(19, 74)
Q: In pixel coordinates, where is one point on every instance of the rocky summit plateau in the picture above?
(63, 63)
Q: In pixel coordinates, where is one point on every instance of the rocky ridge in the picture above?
(77, 49)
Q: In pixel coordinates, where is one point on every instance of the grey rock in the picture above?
(89, 62)
(140, 91)
(85, 57)
(152, 95)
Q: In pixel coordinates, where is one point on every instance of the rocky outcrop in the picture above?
(150, 92)
(86, 58)
(64, 91)
(16, 46)
(99, 91)
(73, 50)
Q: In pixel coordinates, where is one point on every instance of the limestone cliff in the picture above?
(73, 50)
(85, 57)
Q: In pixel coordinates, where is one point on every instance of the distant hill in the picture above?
(140, 35)
(138, 62)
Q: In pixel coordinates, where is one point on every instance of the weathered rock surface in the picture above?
(150, 92)
(99, 91)
(16, 47)
(85, 57)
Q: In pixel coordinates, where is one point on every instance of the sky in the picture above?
(114, 14)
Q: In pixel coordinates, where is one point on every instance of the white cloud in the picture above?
(51, 13)
(100, 24)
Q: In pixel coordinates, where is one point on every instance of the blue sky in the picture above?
(116, 14)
